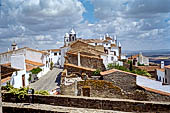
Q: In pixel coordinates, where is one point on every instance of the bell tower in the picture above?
(14, 46)
(72, 35)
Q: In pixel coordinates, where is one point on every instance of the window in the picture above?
(165, 72)
(59, 53)
(165, 80)
(55, 54)
(112, 58)
(95, 43)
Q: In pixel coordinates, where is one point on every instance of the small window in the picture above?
(112, 58)
(55, 54)
(165, 80)
(165, 72)
(59, 53)
(106, 44)
(95, 43)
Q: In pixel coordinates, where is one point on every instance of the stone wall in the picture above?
(95, 103)
(26, 110)
(78, 69)
(86, 61)
(125, 81)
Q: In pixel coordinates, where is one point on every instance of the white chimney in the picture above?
(162, 64)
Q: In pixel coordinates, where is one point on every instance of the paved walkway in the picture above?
(48, 81)
(58, 108)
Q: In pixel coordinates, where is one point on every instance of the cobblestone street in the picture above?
(48, 81)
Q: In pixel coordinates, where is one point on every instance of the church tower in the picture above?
(66, 39)
(14, 46)
(72, 35)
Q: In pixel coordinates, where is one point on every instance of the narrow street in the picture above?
(48, 81)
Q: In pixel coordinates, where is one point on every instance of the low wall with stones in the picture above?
(95, 103)
(11, 109)
(125, 81)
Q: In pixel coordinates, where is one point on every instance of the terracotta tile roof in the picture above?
(133, 57)
(108, 38)
(116, 70)
(92, 40)
(55, 50)
(168, 66)
(156, 91)
(163, 69)
(113, 45)
(91, 47)
(95, 57)
(5, 79)
(43, 52)
(34, 63)
(29, 67)
(79, 67)
(105, 41)
(108, 72)
(25, 48)
(8, 64)
(148, 68)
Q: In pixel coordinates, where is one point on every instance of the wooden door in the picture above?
(23, 80)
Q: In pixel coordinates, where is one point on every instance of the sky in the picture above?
(42, 24)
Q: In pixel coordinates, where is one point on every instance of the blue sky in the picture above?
(138, 24)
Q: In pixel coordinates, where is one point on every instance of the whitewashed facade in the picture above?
(24, 59)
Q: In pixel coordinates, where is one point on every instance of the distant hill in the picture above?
(150, 53)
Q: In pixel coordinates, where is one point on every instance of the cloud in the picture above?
(38, 22)
(138, 24)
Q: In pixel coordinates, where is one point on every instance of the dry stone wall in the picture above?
(96, 103)
(125, 81)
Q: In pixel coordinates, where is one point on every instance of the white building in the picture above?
(142, 59)
(54, 56)
(161, 73)
(111, 47)
(25, 59)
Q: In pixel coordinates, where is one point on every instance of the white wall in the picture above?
(18, 61)
(146, 82)
(63, 53)
(6, 57)
(160, 75)
(16, 80)
(34, 56)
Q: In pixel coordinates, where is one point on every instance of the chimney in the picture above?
(79, 64)
(162, 64)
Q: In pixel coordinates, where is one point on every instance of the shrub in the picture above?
(36, 70)
(51, 65)
(97, 72)
(110, 66)
(140, 64)
(42, 92)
